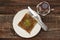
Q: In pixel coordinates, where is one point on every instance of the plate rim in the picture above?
(14, 28)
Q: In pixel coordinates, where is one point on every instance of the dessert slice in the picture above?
(27, 23)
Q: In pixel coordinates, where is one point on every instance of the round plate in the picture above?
(21, 32)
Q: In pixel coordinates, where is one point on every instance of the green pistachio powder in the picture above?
(27, 23)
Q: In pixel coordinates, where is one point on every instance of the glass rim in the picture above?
(41, 3)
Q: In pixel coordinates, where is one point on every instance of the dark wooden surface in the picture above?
(8, 9)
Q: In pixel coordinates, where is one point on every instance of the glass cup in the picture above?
(43, 8)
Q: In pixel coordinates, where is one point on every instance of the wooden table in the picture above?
(8, 9)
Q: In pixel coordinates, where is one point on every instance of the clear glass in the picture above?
(43, 8)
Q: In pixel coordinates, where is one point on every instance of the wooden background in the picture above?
(8, 8)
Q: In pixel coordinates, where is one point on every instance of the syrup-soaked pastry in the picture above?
(27, 23)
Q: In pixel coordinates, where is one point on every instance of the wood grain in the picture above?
(8, 9)
(26, 2)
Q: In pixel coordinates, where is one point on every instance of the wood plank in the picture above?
(15, 9)
(8, 9)
(8, 31)
(26, 2)
(6, 28)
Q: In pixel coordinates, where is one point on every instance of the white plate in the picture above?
(21, 32)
